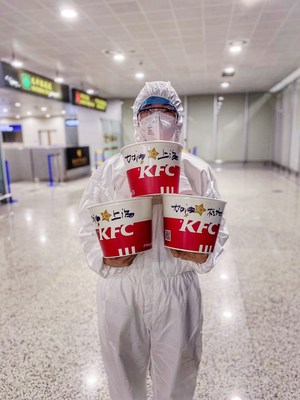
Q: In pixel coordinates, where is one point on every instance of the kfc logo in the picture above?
(199, 226)
(111, 232)
(155, 170)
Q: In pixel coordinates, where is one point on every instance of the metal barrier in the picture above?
(99, 158)
(5, 196)
(51, 182)
(193, 151)
(9, 194)
(50, 168)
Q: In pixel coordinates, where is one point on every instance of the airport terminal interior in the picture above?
(70, 72)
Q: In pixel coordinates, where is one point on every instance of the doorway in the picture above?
(45, 136)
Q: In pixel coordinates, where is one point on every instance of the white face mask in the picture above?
(157, 126)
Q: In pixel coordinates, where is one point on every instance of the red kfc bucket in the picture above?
(191, 223)
(123, 227)
(152, 167)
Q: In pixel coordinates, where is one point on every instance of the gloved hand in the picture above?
(119, 262)
(198, 258)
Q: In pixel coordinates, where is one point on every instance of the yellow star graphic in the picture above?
(153, 153)
(105, 215)
(199, 209)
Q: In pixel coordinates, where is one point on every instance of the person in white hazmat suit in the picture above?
(149, 305)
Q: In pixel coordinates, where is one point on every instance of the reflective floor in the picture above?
(48, 334)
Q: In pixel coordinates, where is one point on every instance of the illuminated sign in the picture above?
(10, 128)
(77, 157)
(80, 98)
(32, 83)
(71, 122)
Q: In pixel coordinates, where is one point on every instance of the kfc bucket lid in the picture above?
(136, 199)
(195, 197)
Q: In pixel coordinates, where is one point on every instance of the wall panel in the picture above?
(200, 125)
(230, 130)
(260, 127)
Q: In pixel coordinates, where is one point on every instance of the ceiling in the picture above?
(184, 41)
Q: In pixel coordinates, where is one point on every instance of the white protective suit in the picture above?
(150, 313)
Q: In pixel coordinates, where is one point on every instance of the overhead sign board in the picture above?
(10, 128)
(30, 82)
(80, 98)
(71, 122)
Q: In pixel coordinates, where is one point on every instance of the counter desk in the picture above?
(35, 163)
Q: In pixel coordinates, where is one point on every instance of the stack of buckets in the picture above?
(191, 223)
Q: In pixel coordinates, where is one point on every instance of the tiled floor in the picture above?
(48, 334)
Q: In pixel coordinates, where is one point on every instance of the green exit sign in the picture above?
(25, 81)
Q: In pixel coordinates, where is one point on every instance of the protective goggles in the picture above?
(145, 112)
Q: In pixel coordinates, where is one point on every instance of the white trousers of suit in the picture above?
(144, 326)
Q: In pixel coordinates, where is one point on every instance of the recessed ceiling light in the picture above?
(235, 48)
(17, 63)
(225, 85)
(48, 115)
(59, 79)
(119, 57)
(139, 75)
(18, 116)
(68, 13)
(63, 112)
(229, 70)
(43, 109)
(17, 104)
(90, 91)
(5, 110)
(29, 113)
